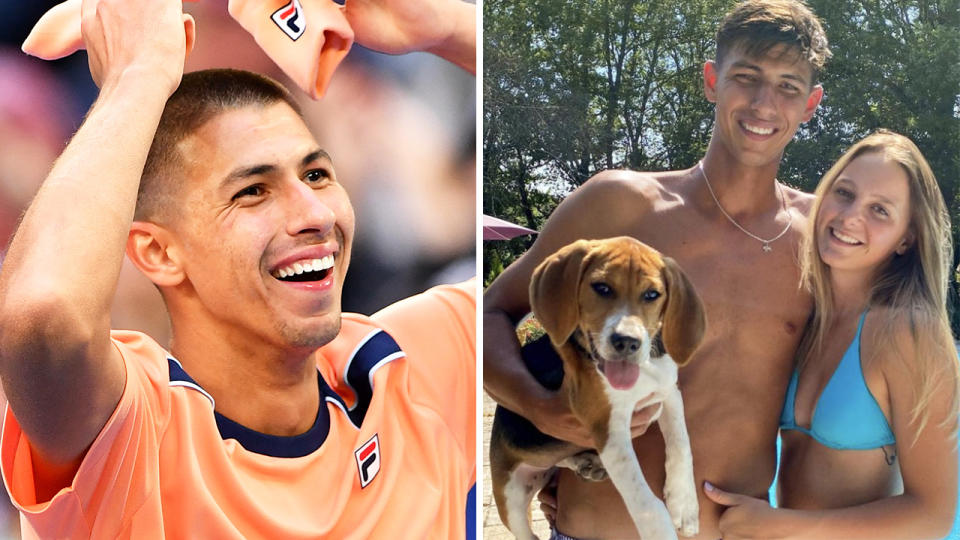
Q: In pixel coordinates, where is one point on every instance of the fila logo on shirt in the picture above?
(368, 460)
(290, 19)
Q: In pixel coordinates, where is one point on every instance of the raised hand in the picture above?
(442, 27)
(148, 38)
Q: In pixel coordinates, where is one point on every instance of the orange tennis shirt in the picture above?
(390, 455)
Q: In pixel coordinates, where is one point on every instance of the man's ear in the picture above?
(816, 94)
(151, 249)
(710, 74)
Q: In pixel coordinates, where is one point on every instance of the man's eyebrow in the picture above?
(798, 78)
(242, 173)
(744, 64)
(253, 170)
(315, 155)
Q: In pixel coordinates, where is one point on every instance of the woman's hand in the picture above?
(746, 517)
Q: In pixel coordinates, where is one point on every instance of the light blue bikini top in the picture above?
(847, 416)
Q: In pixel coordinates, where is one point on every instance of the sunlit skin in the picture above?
(734, 385)
(864, 218)
(759, 103)
(773, 93)
(903, 490)
(260, 194)
(863, 221)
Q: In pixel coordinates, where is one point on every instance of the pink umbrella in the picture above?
(498, 229)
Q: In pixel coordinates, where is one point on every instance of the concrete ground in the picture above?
(493, 528)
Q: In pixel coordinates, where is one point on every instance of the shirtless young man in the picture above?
(273, 415)
(764, 85)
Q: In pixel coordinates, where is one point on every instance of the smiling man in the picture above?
(734, 230)
(273, 415)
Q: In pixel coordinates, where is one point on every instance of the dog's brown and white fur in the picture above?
(609, 307)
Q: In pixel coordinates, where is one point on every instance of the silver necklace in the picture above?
(766, 243)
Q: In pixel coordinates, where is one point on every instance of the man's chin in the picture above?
(311, 334)
(754, 157)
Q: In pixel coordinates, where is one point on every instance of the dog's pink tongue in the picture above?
(621, 375)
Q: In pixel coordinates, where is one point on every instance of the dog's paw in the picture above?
(589, 467)
(689, 528)
(684, 510)
(593, 473)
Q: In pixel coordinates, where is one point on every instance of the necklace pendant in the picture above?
(766, 247)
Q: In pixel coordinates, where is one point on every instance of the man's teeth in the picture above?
(756, 129)
(306, 265)
(844, 238)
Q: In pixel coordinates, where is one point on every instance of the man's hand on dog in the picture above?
(553, 417)
(548, 501)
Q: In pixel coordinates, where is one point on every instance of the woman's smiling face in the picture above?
(865, 215)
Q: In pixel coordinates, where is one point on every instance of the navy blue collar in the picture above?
(374, 351)
(261, 443)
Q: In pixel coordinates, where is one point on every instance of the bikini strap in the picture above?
(863, 317)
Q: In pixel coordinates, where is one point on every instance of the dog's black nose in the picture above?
(624, 344)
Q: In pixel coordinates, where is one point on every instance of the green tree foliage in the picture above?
(573, 88)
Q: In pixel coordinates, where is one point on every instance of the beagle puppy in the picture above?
(622, 318)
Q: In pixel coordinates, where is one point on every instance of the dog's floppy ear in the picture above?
(684, 320)
(555, 290)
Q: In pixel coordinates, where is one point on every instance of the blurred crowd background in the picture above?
(400, 130)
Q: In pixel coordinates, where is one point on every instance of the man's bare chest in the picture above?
(747, 292)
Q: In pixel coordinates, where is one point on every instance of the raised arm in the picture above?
(929, 469)
(60, 372)
(446, 28)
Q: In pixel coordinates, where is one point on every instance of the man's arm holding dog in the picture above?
(60, 371)
(595, 210)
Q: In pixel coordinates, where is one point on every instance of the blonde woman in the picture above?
(870, 419)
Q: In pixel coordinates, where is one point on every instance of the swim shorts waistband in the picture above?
(557, 535)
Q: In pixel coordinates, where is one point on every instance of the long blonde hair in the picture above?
(912, 287)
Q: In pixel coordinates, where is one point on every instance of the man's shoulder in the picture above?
(140, 349)
(444, 312)
(618, 196)
(611, 203)
(617, 182)
(799, 200)
(135, 339)
(456, 300)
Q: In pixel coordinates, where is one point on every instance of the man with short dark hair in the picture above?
(273, 415)
(734, 229)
